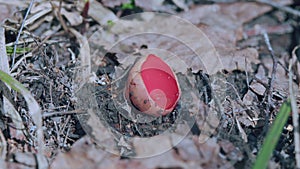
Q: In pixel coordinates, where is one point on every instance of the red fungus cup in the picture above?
(152, 86)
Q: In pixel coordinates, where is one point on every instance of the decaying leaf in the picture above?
(181, 4)
(4, 66)
(296, 63)
(84, 154)
(74, 18)
(230, 150)
(222, 23)
(150, 5)
(162, 32)
(101, 14)
(242, 131)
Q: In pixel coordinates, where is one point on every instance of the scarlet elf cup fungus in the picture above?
(152, 86)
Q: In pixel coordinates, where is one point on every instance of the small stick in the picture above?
(246, 72)
(280, 7)
(3, 146)
(19, 33)
(59, 113)
(294, 111)
(269, 92)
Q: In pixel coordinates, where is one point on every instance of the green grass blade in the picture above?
(33, 106)
(9, 50)
(272, 137)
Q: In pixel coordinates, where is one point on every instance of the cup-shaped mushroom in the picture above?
(152, 86)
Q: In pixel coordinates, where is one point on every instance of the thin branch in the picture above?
(294, 110)
(59, 113)
(280, 7)
(59, 16)
(19, 33)
(3, 146)
(269, 91)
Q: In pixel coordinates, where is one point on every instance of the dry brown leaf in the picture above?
(280, 83)
(101, 14)
(222, 23)
(207, 121)
(227, 17)
(6, 11)
(189, 154)
(262, 74)
(244, 114)
(258, 88)
(33, 19)
(148, 147)
(168, 160)
(296, 63)
(239, 59)
(44, 5)
(188, 151)
(231, 151)
(18, 3)
(18, 126)
(84, 154)
(225, 42)
(209, 154)
(84, 54)
(74, 17)
(162, 32)
(27, 159)
(150, 5)
(13, 165)
(92, 124)
(181, 4)
(242, 131)
(250, 98)
(4, 66)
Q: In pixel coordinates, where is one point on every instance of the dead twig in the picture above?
(4, 66)
(269, 92)
(19, 33)
(57, 11)
(60, 113)
(280, 7)
(3, 146)
(294, 109)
